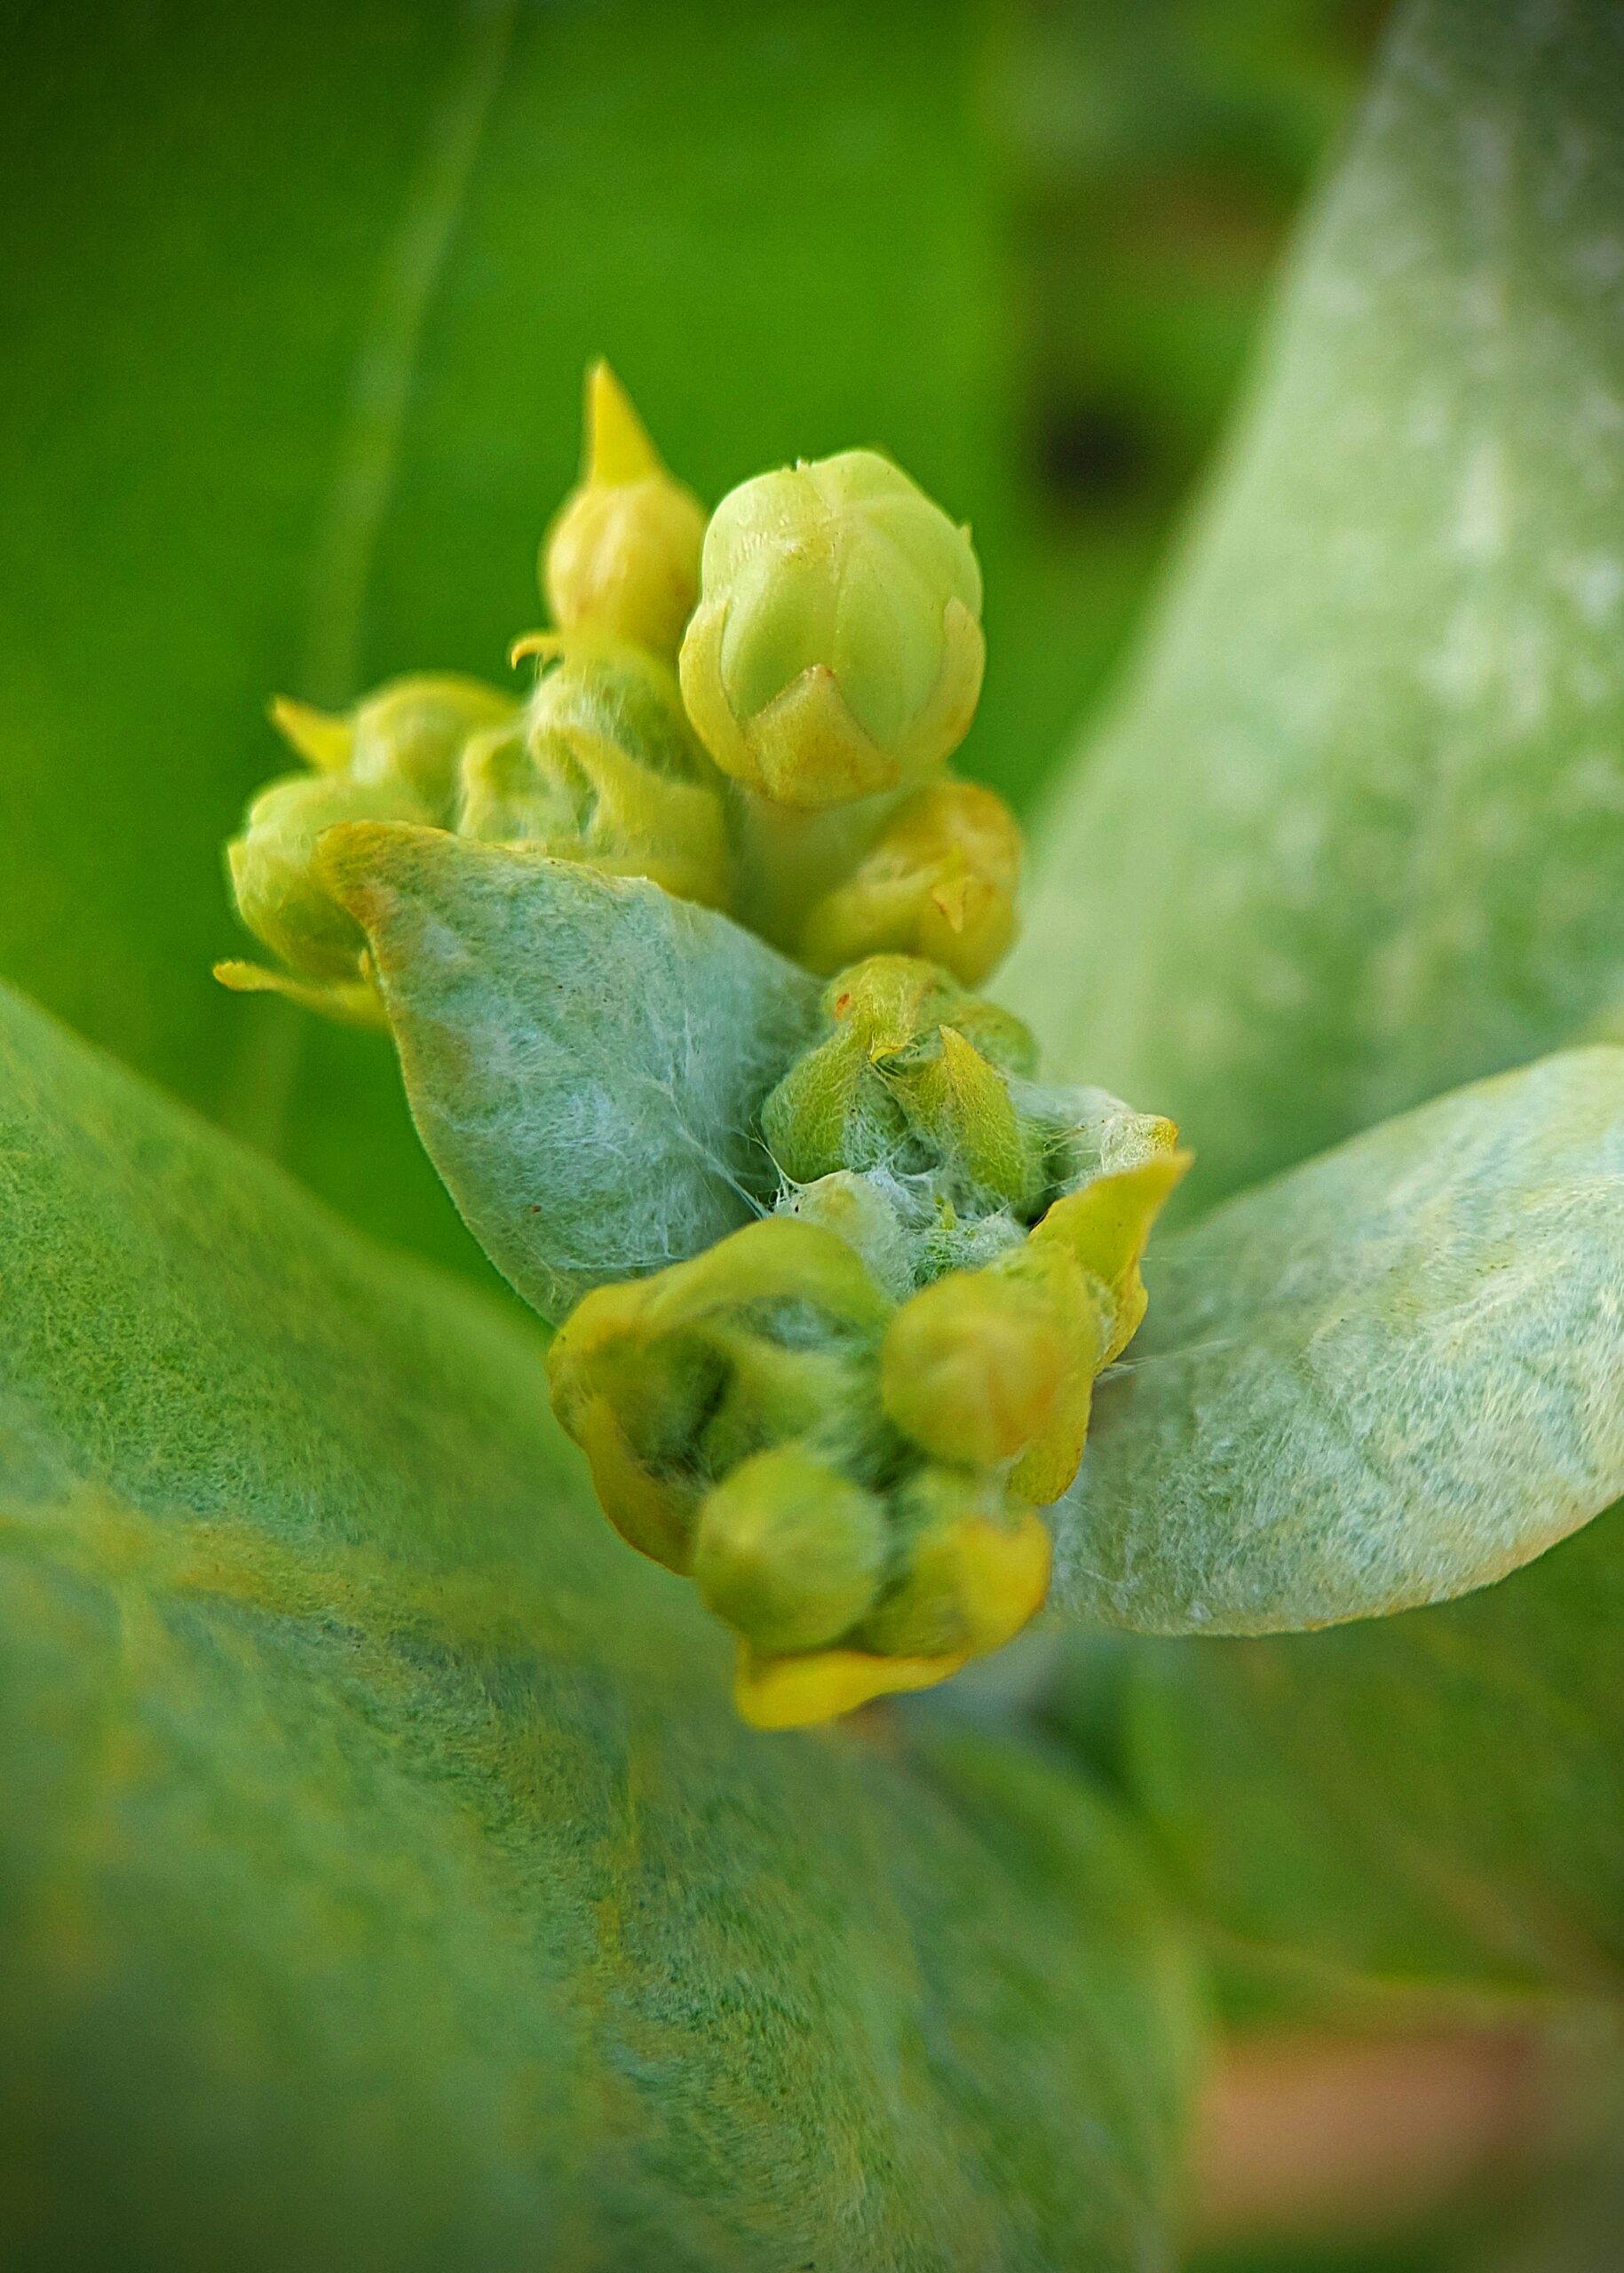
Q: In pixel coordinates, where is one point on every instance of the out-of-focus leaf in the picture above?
(1156, 157)
(384, 1878)
(1437, 1796)
(1358, 832)
(296, 304)
(585, 1057)
(1387, 1377)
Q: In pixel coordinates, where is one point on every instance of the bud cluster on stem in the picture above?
(842, 1420)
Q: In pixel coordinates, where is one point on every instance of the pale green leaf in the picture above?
(1437, 1797)
(586, 1058)
(1357, 832)
(384, 1881)
(1387, 1377)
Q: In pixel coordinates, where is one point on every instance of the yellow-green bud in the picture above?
(409, 734)
(622, 555)
(280, 895)
(972, 1368)
(601, 766)
(633, 1408)
(911, 1079)
(669, 1382)
(837, 650)
(789, 1550)
(938, 881)
(974, 1571)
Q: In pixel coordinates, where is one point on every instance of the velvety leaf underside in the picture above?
(385, 1881)
(1388, 1376)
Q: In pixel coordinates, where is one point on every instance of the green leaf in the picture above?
(295, 348)
(384, 1878)
(1387, 1377)
(586, 1058)
(1437, 1797)
(1354, 835)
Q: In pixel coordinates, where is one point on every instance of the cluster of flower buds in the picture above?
(842, 1420)
(395, 757)
(735, 1415)
(826, 628)
(850, 1470)
(601, 765)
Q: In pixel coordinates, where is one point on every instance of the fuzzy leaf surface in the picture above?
(585, 1057)
(1390, 1376)
(385, 1881)
(1356, 832)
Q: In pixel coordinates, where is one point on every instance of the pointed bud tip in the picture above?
(541, 644)
(617, 446)
(321, 739)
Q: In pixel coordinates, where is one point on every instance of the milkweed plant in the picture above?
(1219, 1233)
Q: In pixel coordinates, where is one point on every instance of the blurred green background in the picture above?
(296, 302)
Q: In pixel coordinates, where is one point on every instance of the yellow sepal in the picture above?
(1003, 1577)
(1106, 1227)
(319, 738)
(798, 1692)
(351, 1002)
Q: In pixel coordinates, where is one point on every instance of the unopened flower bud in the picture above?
(622, 555)
(912, 1078)
(280, 895)
(938, 881)
(789, 1551)
(837, 650)
(972, 1368)
(975, 1572)
(601, 766)
(668, 1383)
(407, 734)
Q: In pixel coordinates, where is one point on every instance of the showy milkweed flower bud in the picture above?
(601, 766)
(988, 1368)
(975, 1571)
(938, 882)
(837, 650)
(279, 894)
(789, 1551)
(394, 756)
(622, 554)
(407, 735)
(971, 1369)
(913, 1080)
